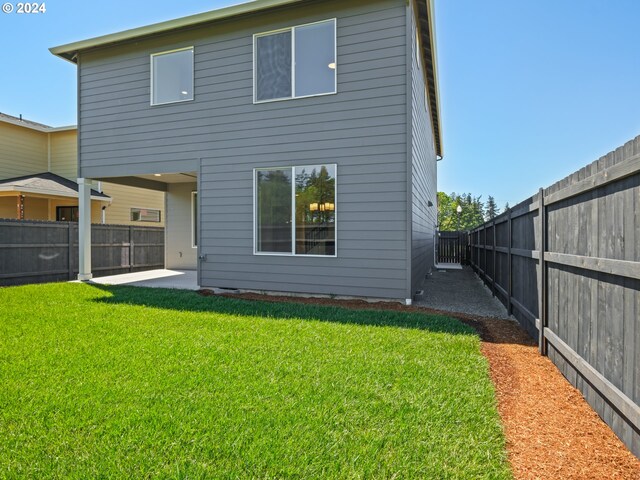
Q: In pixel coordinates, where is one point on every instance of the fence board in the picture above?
(572, 280)
(37, 252)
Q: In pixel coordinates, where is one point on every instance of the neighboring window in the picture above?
(172, 76)
(67, 214)
(194, 219)
(145, 215)
(295, 62)
(310, 192)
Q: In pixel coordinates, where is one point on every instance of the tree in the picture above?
(506, 207)
(470, 216)
(492, 210)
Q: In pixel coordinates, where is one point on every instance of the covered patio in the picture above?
(181, 232)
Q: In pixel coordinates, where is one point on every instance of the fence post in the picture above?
(474, 250)
(70, 249)
(509, 266)
(131, 248)
(542, 276)
(493, 257)
(477, 248)
(484, 230)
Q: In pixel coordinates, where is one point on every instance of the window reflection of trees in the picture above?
(315, 210)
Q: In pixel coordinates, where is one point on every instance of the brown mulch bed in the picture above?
(551, 431)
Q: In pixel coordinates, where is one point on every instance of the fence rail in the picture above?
(37, 252)
(566, 263)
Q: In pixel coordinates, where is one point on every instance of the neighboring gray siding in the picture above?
(362, 129)
(424, 173)
(179, 227)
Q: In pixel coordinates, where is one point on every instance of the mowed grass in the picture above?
(123, 382)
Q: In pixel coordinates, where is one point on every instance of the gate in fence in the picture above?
(451, 247)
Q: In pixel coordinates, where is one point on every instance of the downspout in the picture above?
(103, 218)
(409, 147)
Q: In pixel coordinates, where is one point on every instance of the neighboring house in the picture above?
(38, 172)
(310, 130)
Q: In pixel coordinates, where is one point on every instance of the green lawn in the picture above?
(123, 382)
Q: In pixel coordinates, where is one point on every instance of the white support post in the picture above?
(84, 229)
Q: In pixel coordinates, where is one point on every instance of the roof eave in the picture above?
(66, 128)
(69, 51)
(427, 12)
(37, 128)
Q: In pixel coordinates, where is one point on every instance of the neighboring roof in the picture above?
(40, 127)
(427, 28)
(47, 184)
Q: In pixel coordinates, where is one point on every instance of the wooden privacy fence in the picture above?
(566, 264)
(37, 252)
(451, 247)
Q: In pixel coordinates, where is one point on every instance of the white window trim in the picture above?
(293, 213)
(293, 61)
(193, 77)
(193, 237)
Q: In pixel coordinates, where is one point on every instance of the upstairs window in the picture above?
(295, 62)
(172, 76)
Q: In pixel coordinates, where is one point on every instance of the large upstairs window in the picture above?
(172, 76)
(295, 62)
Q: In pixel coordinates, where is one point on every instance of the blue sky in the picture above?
(530, 90)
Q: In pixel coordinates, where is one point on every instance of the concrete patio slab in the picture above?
(162, 278)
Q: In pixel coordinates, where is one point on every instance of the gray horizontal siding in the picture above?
(371, 242)
(362, 129)
(423, 174)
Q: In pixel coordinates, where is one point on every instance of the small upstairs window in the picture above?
(172, 76)
(295, 62)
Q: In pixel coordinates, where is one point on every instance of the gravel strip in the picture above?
(460, 291)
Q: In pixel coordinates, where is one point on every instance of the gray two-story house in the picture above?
(297, 141)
